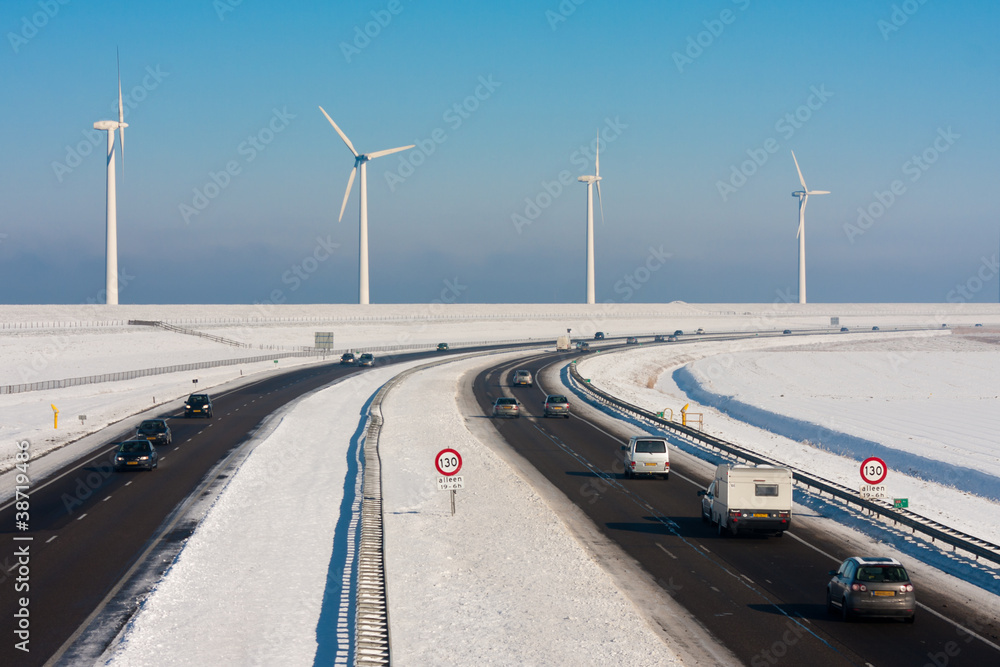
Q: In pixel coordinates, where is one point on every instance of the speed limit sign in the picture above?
(448, 462)
(873, 470)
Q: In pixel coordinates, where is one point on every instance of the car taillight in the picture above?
(906, 588)
(859, 587)
(632, 463)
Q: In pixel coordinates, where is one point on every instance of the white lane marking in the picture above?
(51, 538)
(176, 448)
(666, 551)
(106, 499)
(129, 482)
(80, 518)
(746, 577)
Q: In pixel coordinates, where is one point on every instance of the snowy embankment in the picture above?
(925, 403)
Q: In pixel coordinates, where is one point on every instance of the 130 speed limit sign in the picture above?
(448, 462)
(873, 470)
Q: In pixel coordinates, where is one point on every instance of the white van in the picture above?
(647, 455)
(749, 499)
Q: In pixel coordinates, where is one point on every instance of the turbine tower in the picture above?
(803, 196)
(360, 159)
(111, 250)
(590, 180)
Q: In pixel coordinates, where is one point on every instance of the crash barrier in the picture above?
(917, 523)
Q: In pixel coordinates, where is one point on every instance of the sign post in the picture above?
(873, 473)
(448, 463)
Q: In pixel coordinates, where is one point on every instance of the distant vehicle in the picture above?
(442, 347)
(659, 339)
(678, 333)
(646, 455)
(562, 343)
(585, 346)
(556, 405)
(522, 379)
(864, 586)
(701, 331)
(366, 359)
(631, 340)
(749, 499)
(843, 329)
(874, 328)
(979, 325)
(198, 405)
(944, 326)
(599, 335)
(506, 407)
(787, 331)
(136, 454)
(671, 339)
(348, 359)
(154, 430)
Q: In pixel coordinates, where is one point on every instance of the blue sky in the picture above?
(889, 105)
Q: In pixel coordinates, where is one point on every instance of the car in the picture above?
(136, 454)
(585, 346)
(154, 430)
(874, 328)
(659, 339)
(506, 407)
(442, 347)
(787, 331)
(646, 455)
(865, 586)
(522, 379)
(700, 331)
(844, 329)
(671, 339)
(198, 405)
(978, 325)
(348, 359)
(599, 335)
(556, 405)
(678, 333)
(366, 359)
(944, 326)
(631, 340)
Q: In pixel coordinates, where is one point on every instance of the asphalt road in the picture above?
(763, 598)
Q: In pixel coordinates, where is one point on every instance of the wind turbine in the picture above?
(360, 159)
(590, 180)
(803, 196)
(111, 251)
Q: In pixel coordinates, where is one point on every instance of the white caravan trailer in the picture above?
(749, 499)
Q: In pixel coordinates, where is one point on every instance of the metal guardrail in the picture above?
(934, 530)
(189, 332)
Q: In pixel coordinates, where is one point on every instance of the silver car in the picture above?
(556, 405)
(522, 379)
(865, 586)
(506, 407)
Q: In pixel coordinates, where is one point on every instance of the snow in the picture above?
(463, 577)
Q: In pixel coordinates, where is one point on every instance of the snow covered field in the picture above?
(465, 572)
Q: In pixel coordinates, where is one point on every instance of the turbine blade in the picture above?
(121, 112)
(347, 193)
(801, 180)
(597, 162)
(600, 201)
(372, 156)
(818, 192)
(340, 132)
(802, 215)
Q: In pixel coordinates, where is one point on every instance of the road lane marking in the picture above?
(666, 551)
(106, 499)
(80, 518)
(51, 538)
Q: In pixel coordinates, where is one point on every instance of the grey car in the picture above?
(507, 407)
(366, 359)
(864, 586)
(154, 430)
(556, 405)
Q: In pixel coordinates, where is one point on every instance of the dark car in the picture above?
(659, 339)
(599, 335)
(631, 340)
(678, 333)
(198, 405)
(348, 359)
(366, 359)
(843, 329)
(154, 430)
(442, 347)
(787, 331)
(556, 405)
(874, 328)
(865, 586)
(136, 454)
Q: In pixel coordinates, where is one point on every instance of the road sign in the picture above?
(453, 483)
(900, 503)
(873, 470)
(448, 462)
(873, 492)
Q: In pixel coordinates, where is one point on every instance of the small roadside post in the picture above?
(448, 463)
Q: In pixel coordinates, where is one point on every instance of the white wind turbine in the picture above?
(590, 180)
(803, 196)
(111, 251)
(360, 159)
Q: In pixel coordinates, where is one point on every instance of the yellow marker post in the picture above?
(55, 414)
(684, 416)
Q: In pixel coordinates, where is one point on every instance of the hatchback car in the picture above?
(522, 379)
(646, 455)
(871, 587)
(787, 331)
(659, 339)
(506, 407)
(348, 359)
(671, 339)
(631, 340)
(198, 405)
(678, 333)
(700, 331)
(442, 347)
(585, 346)
(599, 335)
(874, 328)
(366, 359)
(136, 454)
(556, 405)
(843, 329)
(154, 430)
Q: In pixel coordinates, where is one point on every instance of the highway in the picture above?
(763, 598)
